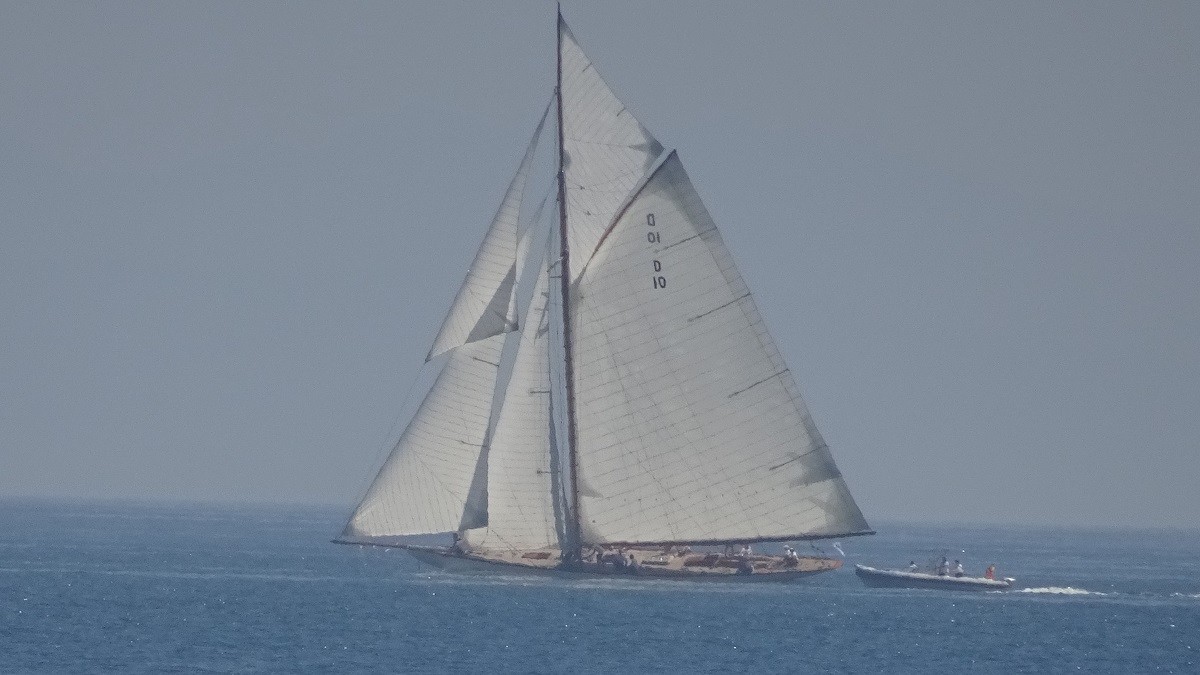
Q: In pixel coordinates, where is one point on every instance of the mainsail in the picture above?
(690, 426)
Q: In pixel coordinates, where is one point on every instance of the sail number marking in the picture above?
(657, 279)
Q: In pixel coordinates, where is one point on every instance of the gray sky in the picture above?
(230, 231)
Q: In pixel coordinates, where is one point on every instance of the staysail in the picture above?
(425, 484)
(520, 484)
(690, 427)
(486, 302)
(606, 151)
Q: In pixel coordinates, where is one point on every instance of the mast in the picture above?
(573, 543)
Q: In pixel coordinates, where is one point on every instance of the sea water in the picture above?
(104, 587)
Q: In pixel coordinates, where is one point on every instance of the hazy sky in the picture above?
(230, 231)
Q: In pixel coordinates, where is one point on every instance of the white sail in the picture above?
(486, 301)
(425, 484)
(520, 505)
(689, 425)
(606, 150)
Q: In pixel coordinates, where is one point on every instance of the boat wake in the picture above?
(1061, 590)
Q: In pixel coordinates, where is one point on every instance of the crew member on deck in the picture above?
(958, 570)
(912, 566)
(789, 557)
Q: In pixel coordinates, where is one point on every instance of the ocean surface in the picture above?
(131, 588)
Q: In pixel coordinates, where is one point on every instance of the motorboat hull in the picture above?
(877, 578)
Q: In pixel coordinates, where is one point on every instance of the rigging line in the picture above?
(686, 239)
(681, 241)
(798, 457)
(765, 379)
(717, 309)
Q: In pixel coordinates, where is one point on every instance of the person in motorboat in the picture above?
(943, 567)
(958, 569)
(912, 566)
(990, 573)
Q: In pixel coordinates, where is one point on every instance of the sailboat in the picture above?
(609, 399)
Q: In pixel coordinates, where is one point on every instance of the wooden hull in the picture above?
(876, 578)
(761, 569)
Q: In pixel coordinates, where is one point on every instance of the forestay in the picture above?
(690, 427)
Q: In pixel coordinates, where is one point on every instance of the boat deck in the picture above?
(648, 563)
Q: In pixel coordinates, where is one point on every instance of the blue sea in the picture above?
(138, 588)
